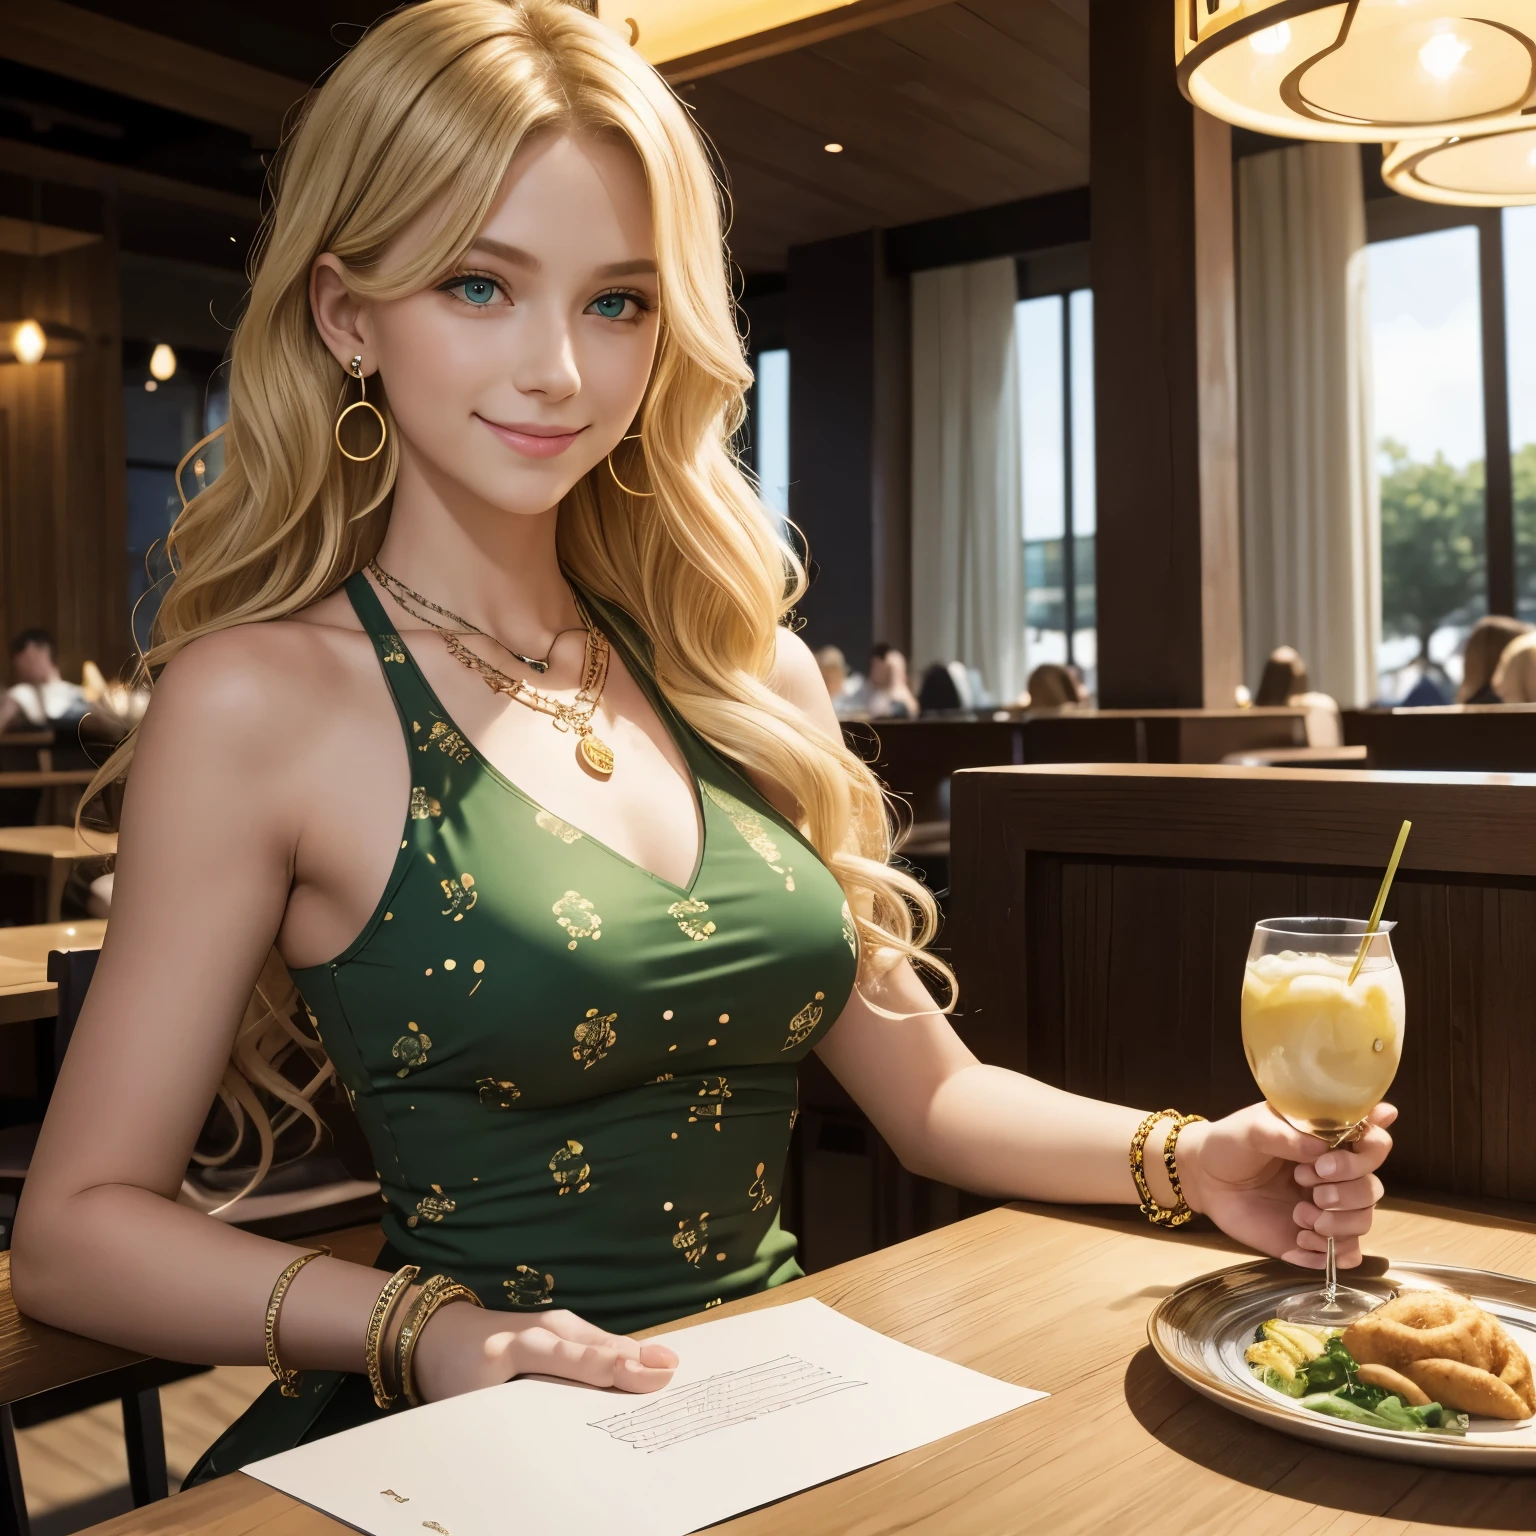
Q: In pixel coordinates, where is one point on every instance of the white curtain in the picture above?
(967, 516)
(1311, 536)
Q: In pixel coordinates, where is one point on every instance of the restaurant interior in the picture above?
(1161, 434)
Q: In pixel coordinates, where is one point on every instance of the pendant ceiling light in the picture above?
(1359, 70)
(663, 30)
(1488, 170)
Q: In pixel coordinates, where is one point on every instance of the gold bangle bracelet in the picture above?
(287, 1381)
(1180, 1213)
(378, 1321)
(437, 1292)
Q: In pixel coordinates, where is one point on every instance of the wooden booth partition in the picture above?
(1101, 917)
(1458, 738)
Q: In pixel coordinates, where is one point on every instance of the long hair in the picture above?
(429, 108)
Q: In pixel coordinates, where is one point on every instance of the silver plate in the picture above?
(1202, 1329)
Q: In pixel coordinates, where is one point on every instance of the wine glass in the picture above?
(1323, 1050)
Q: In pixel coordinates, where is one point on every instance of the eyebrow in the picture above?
(521, 258)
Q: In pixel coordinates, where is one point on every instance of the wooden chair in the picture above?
(299, 1210)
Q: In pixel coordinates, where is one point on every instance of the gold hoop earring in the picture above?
(364, 404)
(634, 437)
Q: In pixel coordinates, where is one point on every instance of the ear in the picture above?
(340, 317)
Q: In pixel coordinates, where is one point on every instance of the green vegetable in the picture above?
(1292, 1386)
(1329, 1383)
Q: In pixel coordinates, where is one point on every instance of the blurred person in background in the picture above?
(40, 698)
(845, 689)
(888, 695)
(1285, 682)
(1514, 681)
(1053, 685)
(1486, 645)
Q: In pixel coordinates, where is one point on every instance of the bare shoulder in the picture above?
(797, 679)
(258, 688)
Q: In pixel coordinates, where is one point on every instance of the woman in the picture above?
(1491, 637)
(1054, 686)
(1284, 681)
(1514, 680)
(568, 998)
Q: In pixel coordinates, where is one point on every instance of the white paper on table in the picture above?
(762, 1406)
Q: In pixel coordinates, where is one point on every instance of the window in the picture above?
(1426, 335)
(1054, 337)
(1454, 330)
(1519, 229)
(770, 429)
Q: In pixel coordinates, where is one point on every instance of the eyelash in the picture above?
(641, 303)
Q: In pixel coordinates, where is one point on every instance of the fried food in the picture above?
(1398, 1385)
(1450, 1349)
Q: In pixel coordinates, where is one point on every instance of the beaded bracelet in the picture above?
(437, 1292)
(378, 1321)
(287, 1380)
(1180, 1212)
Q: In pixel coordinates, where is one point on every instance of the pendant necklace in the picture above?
(592, 752)
(403, 595)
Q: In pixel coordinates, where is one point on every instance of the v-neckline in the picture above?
(663, 713)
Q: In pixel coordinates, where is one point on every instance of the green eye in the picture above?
(611, 305)
(477, 290)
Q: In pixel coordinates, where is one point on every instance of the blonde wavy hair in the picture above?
(429, 108)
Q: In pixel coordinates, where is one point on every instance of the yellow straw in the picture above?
(1381, 901)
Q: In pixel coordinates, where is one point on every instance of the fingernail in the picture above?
(1325, 1195)
(1327, 1166)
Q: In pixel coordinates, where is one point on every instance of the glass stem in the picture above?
(1331, 1279)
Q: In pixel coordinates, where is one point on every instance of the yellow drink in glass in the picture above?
(1322, 1052)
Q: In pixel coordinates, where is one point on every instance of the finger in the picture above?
(567, 1325)
(1303, 1258)
(1275, 1136)
(1342, 1224)
(1346, 1250)
(1353, 1196)
(638, 1376)
(599, 1365)
(1383, 1115)
(1353, 1162)
(1336, 1224)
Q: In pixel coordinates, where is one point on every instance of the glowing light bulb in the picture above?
(833, 149)
(1275, 39)
(1441, 56)
(162, 362)
(28, 342)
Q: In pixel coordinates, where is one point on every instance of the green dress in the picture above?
(578, 1080)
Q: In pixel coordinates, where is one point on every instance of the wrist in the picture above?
(1188, 1160)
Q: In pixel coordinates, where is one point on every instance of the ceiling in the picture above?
(959, 106)
(940, 107)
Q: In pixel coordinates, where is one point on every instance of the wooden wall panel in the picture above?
(62, 485)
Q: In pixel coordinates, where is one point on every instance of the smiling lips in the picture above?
(534, 441)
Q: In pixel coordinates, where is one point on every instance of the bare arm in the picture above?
(983, 1128)
(213, 827)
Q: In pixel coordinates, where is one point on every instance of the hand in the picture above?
(1281, 1191)
(463, 1349)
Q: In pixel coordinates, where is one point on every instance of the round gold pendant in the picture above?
(597, 755)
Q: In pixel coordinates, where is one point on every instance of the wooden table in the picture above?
(49, 854)
(1058, 1298)
(25, 991)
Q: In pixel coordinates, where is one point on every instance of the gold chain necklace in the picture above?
(403, 595)
(591, 750)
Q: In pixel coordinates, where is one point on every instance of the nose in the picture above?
(546, 361)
